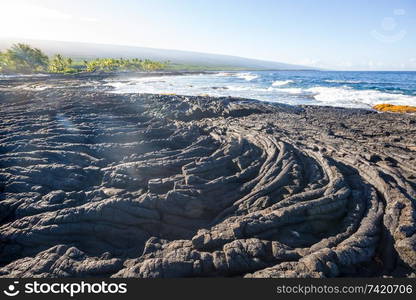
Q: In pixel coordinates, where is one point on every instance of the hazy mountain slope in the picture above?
(89, 50)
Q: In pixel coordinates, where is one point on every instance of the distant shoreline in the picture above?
(4, 76)
(94, 75)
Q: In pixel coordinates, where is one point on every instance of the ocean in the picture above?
(330, 88)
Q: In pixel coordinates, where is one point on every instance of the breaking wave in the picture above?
(290, 88)
(281, 82)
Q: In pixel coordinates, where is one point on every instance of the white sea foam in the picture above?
(348, 97)
(281, 82)
(281, 91)
(225, 74)
(117, 84)
(238, 88)
(247, 76)
(22, 75)
(245, 88)
(292, 91)
(343, 81)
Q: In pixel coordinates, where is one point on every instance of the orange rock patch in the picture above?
(395, 108)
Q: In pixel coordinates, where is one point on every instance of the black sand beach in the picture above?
(95, 184)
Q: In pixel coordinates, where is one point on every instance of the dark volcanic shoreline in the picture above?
(98, 184)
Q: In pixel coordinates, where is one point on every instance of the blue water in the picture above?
(345, 89)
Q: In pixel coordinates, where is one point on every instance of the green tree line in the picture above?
(22, 58)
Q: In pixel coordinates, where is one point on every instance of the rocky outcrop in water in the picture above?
(99, 184)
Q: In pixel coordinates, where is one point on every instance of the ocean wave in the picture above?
(224, 74)
(240, 88)
(292, 91)
(281, 82)
(287, 91)
(247, 76)
(343, 81)
(349, 97)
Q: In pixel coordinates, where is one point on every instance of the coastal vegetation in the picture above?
(60, 64)
(24, 59)
(112, 64)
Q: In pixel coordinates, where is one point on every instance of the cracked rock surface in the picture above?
(96, 184)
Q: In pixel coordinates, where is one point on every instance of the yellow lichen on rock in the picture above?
(395, 108)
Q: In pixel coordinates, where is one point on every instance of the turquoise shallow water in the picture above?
(332, 88)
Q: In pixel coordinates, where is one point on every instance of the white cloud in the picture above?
(28, 12)
(89, 19)
(29, 20)
(20, 11)
(32, 21)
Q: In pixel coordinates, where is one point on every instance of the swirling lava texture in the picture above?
(99, 184)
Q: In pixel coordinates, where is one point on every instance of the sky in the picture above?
(337, 34)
